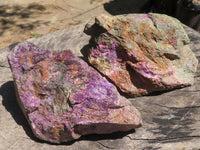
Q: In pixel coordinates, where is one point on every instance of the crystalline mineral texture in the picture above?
(141, 53)
(63, 98)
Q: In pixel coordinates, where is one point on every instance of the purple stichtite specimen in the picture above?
(63, 98)
(142, 53)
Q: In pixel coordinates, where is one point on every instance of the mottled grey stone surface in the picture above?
(171, 119)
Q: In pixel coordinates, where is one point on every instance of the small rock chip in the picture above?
(63, 98)
(142, 53)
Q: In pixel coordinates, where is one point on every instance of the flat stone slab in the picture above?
(171, 119)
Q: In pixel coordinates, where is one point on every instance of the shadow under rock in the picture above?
(7, 91)
(12, 46)
(118, 7)
(85, 51)
(98, 137)
(112, 136)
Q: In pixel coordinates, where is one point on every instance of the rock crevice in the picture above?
(63, 98)
(142, 53)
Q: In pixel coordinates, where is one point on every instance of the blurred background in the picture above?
(23, 19)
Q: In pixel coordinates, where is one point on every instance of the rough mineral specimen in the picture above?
(142, 53)
(63, 98)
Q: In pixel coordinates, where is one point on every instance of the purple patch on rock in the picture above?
(141, 53)
(63, 98)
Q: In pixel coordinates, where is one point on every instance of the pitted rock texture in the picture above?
(63, 98)
(142, 53)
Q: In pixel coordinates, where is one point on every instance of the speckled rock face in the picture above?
(63, 98)
(142, 53)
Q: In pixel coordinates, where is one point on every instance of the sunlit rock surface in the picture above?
(63, 98)
(141, 53)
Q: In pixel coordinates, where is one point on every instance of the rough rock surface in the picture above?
(63, 98)
(171, 120)
(142, 53)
